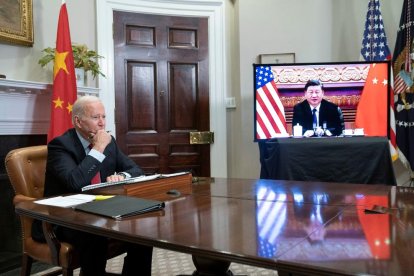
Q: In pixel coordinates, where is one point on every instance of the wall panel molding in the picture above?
(25, 106)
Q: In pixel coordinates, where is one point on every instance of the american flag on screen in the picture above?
(375, 48)
(270, 114)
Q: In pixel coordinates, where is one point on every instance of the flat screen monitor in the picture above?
(359, 89)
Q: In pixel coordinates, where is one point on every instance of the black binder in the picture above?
(119, 206)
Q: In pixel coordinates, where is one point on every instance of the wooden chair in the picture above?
(26, 169)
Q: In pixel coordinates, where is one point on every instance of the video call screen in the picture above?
(279, 87)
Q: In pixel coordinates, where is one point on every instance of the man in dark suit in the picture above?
(317, 116)
(85, 155)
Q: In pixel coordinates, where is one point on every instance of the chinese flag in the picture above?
(372, 110)
(376, 227)
(64, 80)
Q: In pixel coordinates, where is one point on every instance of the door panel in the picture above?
(161, 91)
(183, 93)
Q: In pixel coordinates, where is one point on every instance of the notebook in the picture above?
(141, 178)
(119, 206)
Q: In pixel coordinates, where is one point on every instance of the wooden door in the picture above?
(162, 91)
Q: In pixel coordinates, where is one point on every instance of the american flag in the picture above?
(375, 48)
(404, 116)
(270, 219)
(374, 42)
(270, 114)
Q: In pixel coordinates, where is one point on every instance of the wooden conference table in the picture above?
(296, 228)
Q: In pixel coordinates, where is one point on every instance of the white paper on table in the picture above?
(66, 201)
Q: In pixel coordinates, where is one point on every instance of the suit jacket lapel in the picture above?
(78, 147)
(322, 113)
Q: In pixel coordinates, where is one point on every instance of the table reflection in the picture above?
(316, 227)
(404, 228)
(285, 225)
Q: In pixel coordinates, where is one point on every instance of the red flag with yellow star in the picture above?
(64, 80)
(371, 114)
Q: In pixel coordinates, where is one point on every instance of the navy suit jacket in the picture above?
(328, 112)
(69, 169)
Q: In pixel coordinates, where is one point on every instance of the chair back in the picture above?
(26, 168)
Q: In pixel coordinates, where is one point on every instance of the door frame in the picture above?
(214, 11)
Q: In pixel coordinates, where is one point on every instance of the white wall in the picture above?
(315, 30)
(20, 62)
(349, 25)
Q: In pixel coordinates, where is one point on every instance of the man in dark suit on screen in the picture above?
(318, 117)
